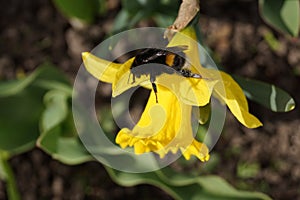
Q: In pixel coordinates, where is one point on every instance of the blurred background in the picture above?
(265, 159)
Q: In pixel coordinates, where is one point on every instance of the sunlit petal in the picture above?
(236, 101)
(101, 69)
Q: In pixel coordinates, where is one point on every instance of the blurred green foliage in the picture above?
(162, 12)
(271, 40)
(266, 94)
(247, 170)
(281, 14)
(83, 10)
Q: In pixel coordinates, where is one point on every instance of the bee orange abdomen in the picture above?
(170, 59)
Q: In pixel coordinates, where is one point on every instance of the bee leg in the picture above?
(152, 79)
(187, 73)
(155, 90)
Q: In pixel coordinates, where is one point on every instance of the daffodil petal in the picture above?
(172, 134)
(197, 149)
(124, 83)
(190, 91)
(101, 69)
(185, 37)
(124, 79)
(123, 138)
(236, 101)
(153, 121)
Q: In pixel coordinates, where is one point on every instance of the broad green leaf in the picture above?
(282, 14)
(68, 150)
(21, 104)
(71, 151)
(85, 10)
(56, 109)
(211, 184)
(50, 72)
(12, 87)
(58, 137)
(19, 119)
(217, 185)
(53, 84)
(41, 76)
(290, 16)
(181, 186)
(266, 94)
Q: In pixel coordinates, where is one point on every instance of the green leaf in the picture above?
(21, 107)
(181, 186)
(266, 94)
(85, 10)
(53, 84)
(58, 137)
(56, 109)
(68, 150)
(282, 14)
(290, 16)
(13, 87)
(50, 72)
(219, 187)
(19, 118)
(46, 76)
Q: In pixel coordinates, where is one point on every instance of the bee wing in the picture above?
(176, 49)
(151, 54)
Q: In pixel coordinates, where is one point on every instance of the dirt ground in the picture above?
(33, 32)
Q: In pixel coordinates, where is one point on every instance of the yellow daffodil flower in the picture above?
(226, 89)
(166, 126)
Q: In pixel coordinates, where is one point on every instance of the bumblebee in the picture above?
(172, 57)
